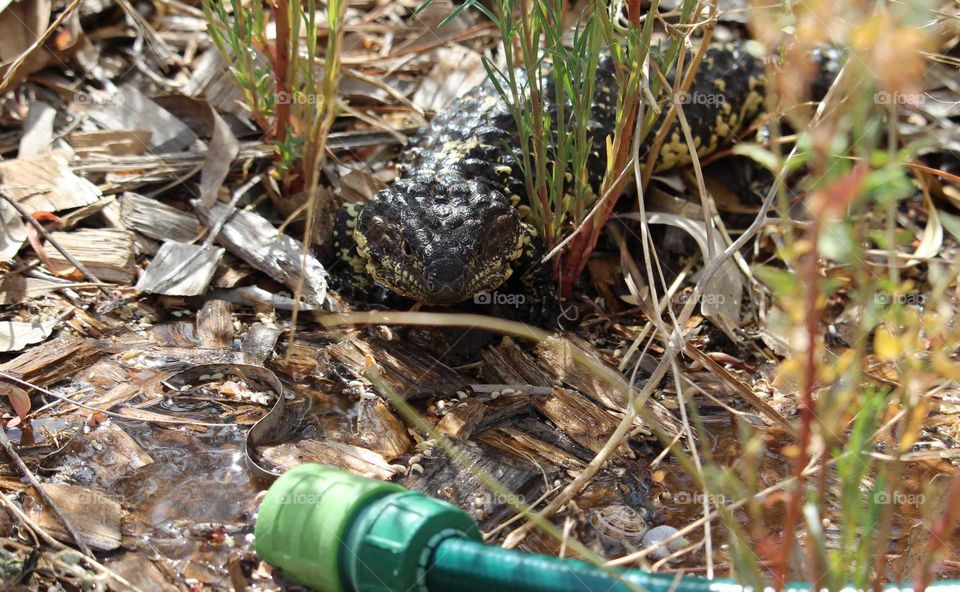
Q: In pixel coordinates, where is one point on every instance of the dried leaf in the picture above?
(37, 129)
(13, 231)
(358, 185)
(932, 238)
(21, 25)
(129, 109)
(19, 400)
(886, 345)
(457, 70)
(16, 335)
(95, 517)
(216, 166)
(110, 143)
(758, 154)
(723, 293)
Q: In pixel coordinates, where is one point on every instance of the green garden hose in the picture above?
(336, 532)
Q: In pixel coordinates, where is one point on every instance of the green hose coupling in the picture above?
(336, 532)
(396, 536)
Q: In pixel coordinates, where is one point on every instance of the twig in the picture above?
(394, 93)
(43, 232)
(49, 393)
(720, 372)
(25, 470)
(14, 69)
(36, 530)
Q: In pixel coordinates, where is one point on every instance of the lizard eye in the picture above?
(405, 248)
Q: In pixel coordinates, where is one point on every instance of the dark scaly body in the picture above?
(449, 227)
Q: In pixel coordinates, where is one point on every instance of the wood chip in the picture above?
(147, 415)
(158, 220)
(355, 459)
(381, 431)
(515, 441)
(508, 363)
(107, 143)
(95, 517)
(107, 253)
(460, 422)
(117, 395)
(117, 453)
(579, 417)
(411, 371)
(129, 109)
(252, 238)
(557, 358)
(179, 269)
(456, 481)
(142, 573)
(53, 361)
(45, 183)
(215, 325)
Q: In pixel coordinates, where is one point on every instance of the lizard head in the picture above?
(439, 240)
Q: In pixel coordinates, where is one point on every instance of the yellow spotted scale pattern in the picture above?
(450, 226)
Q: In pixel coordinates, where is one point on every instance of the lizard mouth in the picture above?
(443, 283)
(448, 280)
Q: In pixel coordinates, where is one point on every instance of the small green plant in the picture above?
(289, 83)
(856, 180)
(555, 147)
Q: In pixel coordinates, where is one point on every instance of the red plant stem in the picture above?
(940, 532)
(808, 405)
(281, 65)
(584, 243)
(633, 12)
